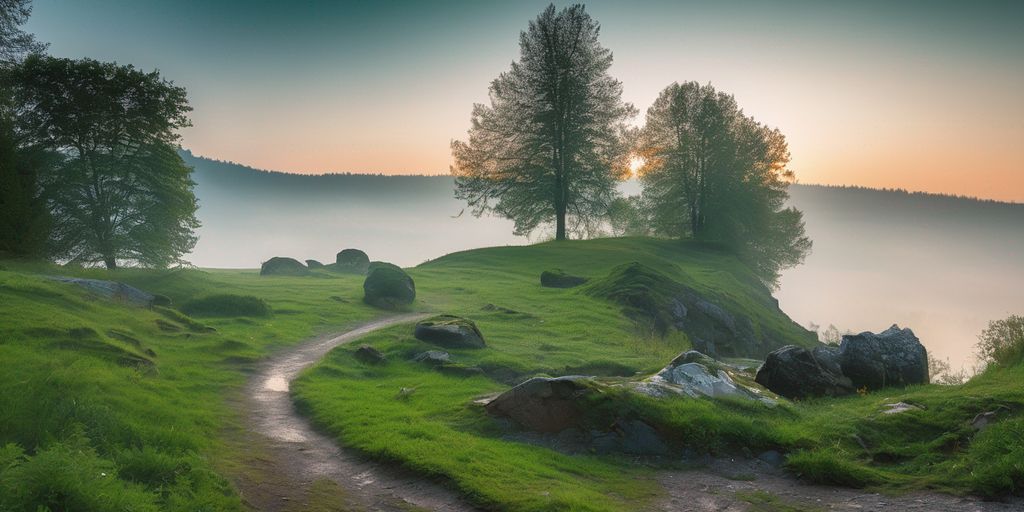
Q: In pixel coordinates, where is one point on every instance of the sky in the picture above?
(920, 95)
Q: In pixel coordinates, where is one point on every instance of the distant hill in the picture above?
(942, 265)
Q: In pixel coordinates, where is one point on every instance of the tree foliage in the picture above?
(1002, 342)
(118, 191)
(550, 146)
(14, 42)
(714, 174)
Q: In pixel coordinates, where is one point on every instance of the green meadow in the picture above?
(138, 403)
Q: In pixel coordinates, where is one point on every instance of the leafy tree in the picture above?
(627, 216)
(119, 190)
(14, 42)
(23, 219)
(550, 145)
(714, 174)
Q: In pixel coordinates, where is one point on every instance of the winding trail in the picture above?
(295, 467)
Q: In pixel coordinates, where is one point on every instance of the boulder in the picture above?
(695, 374)
(314, 264)
(894, 357)
(559, 279)
(433, 357)
(114, 291)
(543, 404)
(281, 266)
(388, 288)
(794, 372)
(369, 355)
(352, 261)
(378, 264)
(450, 331)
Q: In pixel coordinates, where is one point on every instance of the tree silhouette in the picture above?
(549, 147)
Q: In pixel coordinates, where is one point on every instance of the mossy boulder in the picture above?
(381, 264)
(352, 261)
(281, 266)
(450, 331)
(314, 264)
(388, 288)
(558, 278)
(369, 355)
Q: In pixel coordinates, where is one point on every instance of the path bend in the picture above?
(296, 465)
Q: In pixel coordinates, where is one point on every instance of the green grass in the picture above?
(109, 407)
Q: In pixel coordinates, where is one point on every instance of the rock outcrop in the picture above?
(560, 279)
(450, 331)
(697, 375)
(388, 288)
(352, 261)
(281, 266)
(314, 264)
(894, 357)
(795, 372)
(543, 404)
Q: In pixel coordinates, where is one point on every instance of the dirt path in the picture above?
(751, 485)
(291, 466)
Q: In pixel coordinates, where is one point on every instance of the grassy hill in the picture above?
(113, 407)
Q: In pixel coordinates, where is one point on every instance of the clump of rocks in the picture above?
(892, 358)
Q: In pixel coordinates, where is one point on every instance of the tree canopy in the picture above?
(714, 174)
(549, 147)
(118, 190)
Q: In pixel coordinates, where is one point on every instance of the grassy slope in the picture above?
(438, 431)
(78, 409)
(98, 432)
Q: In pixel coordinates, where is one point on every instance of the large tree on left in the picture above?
(119, 192)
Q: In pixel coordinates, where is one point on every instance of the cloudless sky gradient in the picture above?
(922, 95)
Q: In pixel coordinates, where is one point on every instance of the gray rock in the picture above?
(772, 458)
(314, 264)
(433, 357)
(112, 290)
(697, 375)
(894, 357)
(352, 261)
(281, 266)
(639, 438)
(794, 372)
(450, 331)
(369, 355)
(543, 404)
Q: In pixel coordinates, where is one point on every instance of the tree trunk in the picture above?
(110, 262)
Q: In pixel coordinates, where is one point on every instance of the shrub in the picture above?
(227, 305)
(1002, 343)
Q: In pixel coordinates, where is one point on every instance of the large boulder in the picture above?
(894, 357)
(559, 279)
(352, 261)
(388, 288)
(378, 264)
(697, 375)
(280, 266)
(314, 264)
(795, 372)
(543, 404)
(450, 331)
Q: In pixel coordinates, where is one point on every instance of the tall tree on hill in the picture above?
(550, 146)
(23, 217)
(119, 192)
(714, 174)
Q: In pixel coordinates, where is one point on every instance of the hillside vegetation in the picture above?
(137, 402)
